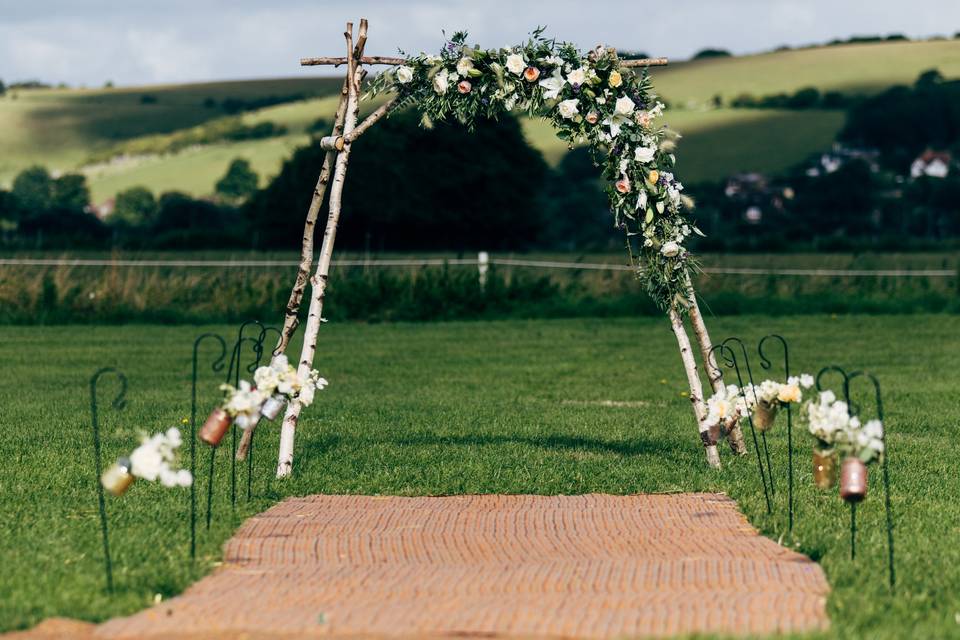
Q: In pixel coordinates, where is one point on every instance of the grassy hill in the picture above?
(63, 128)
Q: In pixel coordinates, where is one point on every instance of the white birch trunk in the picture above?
(696, 389)
(714, 374)
(318, 282)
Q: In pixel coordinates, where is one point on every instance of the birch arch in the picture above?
(593, 98)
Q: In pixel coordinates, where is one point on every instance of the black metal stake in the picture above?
(853, 530)
(216, 366)
(118, 403)
(729, 357)
(213, 455)
(766, 363)
(766, 453)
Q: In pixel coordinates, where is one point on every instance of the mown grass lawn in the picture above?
(510, 407)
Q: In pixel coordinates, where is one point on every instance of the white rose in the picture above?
(644, 154)
(670, 249)
(624, 106)
(577, 76)
(515, 63)
(404, 74)
(441, 82)
(568, 108)
(464, 66)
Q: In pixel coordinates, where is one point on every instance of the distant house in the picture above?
(755, 195)
(104, 209)
(840, 155)
(935, 164)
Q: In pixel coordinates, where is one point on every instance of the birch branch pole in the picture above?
(708, 437)
(318, 283)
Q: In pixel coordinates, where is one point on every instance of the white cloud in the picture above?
(137, 41)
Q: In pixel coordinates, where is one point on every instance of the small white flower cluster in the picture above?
(155, 459)
(279, 378)
(830, 422)
(773, 393)
(726, 407)
(282, 378)
(865, 443)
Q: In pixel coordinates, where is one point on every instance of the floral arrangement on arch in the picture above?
(590, 99)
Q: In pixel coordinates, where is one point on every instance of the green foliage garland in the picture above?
(590, 99)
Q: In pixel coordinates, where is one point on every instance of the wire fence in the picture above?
(481, 261)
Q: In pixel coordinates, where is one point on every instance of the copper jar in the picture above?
(215, 427)
(118, 478)
(763, 415)
(824, 469)
(853, 480)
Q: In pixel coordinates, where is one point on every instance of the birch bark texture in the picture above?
(696, 387)
(735, 437)
(318, 283)
(291, 318)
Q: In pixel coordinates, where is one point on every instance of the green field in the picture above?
(509, 407)
(62, 129)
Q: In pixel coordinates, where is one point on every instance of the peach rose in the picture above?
(530, 74)
(464, 86)
(592, 117)
(623, 185)
(653, 177)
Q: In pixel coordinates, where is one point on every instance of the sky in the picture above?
(133, 42)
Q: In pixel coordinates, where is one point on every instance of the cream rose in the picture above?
(644, 154)
(615, 79)
(569, 108)
(789, 393)
(624, 106)
(577, 76)
(441, 82)
(464, 66)
(404, 74)
(670, 249)
(515, 63)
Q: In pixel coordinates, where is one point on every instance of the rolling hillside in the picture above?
(63, 129)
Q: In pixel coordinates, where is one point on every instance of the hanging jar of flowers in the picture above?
(764, 400)
(118, 477)
(280, 382)
(859, 446)
(826, 417)
(155, 459)
(215, 427)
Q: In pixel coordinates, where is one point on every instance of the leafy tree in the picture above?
(33, 189)
(70, 191)
(711, 53)
(239, 182)
(3, 88)
(806, 98)
(414, 188)
(135, 207)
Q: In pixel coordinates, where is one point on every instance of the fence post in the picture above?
(483, 265)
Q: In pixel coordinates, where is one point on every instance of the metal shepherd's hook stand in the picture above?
(217, 366)
(766, 364)
(118, 403)
(729, 357)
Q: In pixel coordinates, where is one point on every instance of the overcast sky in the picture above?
(149, 41)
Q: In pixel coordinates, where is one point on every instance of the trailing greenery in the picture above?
(461, 408)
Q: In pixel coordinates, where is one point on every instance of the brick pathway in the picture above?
(594, 566)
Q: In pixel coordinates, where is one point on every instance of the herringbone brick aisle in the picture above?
(594, 566)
